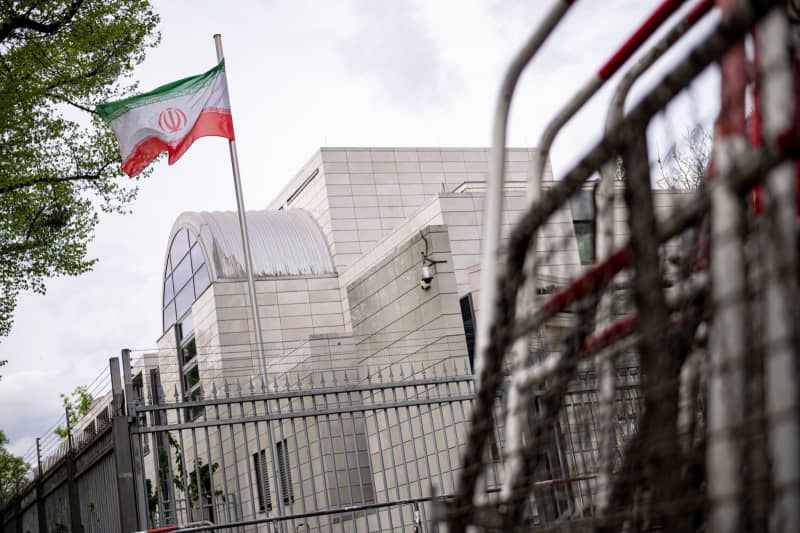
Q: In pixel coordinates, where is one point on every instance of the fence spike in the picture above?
(300, 383)
(263, 384)
(335, 380)
(176, 395)
(252, 387)
(391, 374)
(322, 379)
(287, 382)
(238, 387)
(214, 390)
(227, 388)
(275, 384)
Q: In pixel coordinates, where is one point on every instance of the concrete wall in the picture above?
(396, 321)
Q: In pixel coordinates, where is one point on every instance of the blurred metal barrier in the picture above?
(695, 305)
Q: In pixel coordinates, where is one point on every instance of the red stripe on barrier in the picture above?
(594, 277)
(662, 13)
(616, 331)
(698, 11)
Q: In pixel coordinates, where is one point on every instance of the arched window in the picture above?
(185, 276)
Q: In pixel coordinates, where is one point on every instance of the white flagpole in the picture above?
(248, 258)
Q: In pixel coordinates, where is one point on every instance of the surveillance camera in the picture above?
(425, 277)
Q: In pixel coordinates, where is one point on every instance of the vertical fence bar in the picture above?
(727, 341)
(780, 336)
(380, 455)
(138, 466)
(122, 452)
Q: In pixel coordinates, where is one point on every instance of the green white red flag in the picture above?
(170, 118)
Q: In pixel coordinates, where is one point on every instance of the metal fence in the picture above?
(708, 312)
(73, 489)
(338, 450)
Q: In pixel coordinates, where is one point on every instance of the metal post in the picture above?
(780, 336)
(251, 285)
(70, 442)
(248, 259)
(41, 515)
(138, 467)
(122, 453)
(72, 493)
(728, 341)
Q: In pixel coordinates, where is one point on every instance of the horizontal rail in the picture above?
(326, 512)
(289, 395)
(355, 408)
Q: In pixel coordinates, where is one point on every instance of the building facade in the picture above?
(338, 256)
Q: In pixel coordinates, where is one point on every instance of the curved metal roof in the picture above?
(283, 243)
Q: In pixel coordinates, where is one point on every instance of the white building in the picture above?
(337, 258)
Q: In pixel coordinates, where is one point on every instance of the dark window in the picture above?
(584, 235)
(468, 317)
(190, 369)
(285, 471)
(262, 481)
(582, 208)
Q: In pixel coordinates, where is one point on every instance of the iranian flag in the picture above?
(170, 118)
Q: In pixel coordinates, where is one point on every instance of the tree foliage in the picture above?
(13, 471)
(76, 404)
(59, 167)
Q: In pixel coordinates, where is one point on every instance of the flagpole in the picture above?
(248, 257)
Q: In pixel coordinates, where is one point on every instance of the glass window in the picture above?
(192, 377)
(185, 277)
(169, 315)
(584, 235)
(180, 245)
(184, 299)
(182, 273)
(197, 257)
(189, 351)
(186, 327)
(169, 293)
(201, 280)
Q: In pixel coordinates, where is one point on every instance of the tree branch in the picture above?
(18, 22)
(51, 181)
(70, 102)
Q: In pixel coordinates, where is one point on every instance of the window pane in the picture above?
(182, 273)
(169, 315)
(201, 280)
(186, 327)
(197, 257)
(585, 241)
(582, 206)
(192, 377)
(180, 245)
(189, 351)
(184, 299)
(168, 290)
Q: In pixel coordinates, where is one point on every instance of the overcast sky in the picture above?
(305, 74)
